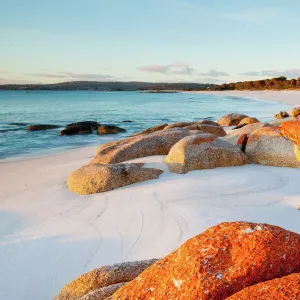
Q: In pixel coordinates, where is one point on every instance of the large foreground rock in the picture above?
(267, 146)
(103, 281)
(219, 263)
(36, 127)
(203, 151)
(231, 119)
(157, 143)
(285, 288)
(97, 178)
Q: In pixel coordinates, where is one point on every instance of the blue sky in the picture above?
(148, 40)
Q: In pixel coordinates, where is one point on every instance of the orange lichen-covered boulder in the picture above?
(291, 130)
(267, 146)
(285, 288)
(218, 263)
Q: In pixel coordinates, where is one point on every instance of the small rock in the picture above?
(92, 124)
(106, 276)
(41, 127)
(248, 120)
(76, 129)
(295, 112)
(281, 115)
(231, 119)
(109, 129)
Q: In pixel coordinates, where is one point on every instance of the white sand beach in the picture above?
(49, 235)
(289, 97)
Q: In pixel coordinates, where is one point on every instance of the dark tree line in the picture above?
(277, 83)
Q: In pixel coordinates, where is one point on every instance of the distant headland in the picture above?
(277, 83)
(108, 86)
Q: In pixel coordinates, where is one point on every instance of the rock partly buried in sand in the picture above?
(97, 178)
(94, 125)
(248, 120)
(78, 129)
(151, 129)
(284, 288)
(41, 127)
(109, 129)
(215, 130)
(281, 115)
(157, 143)
(238, 137)
(104, 277)
(218, 263)
(231, 119)
(266, 146)
(295, 112)
(203, 151)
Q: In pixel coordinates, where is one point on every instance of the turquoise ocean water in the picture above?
(145, 110)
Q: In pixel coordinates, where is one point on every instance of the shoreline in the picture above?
(288, 97)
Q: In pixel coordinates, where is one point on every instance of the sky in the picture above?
(205, 41)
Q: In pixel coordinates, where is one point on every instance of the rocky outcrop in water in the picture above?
(109, 129)
(281, 115)
(36, 127)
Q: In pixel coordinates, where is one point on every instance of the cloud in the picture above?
(69, 75)
(173, 68)
(289, 73)
(251, 73)
(214, 73)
